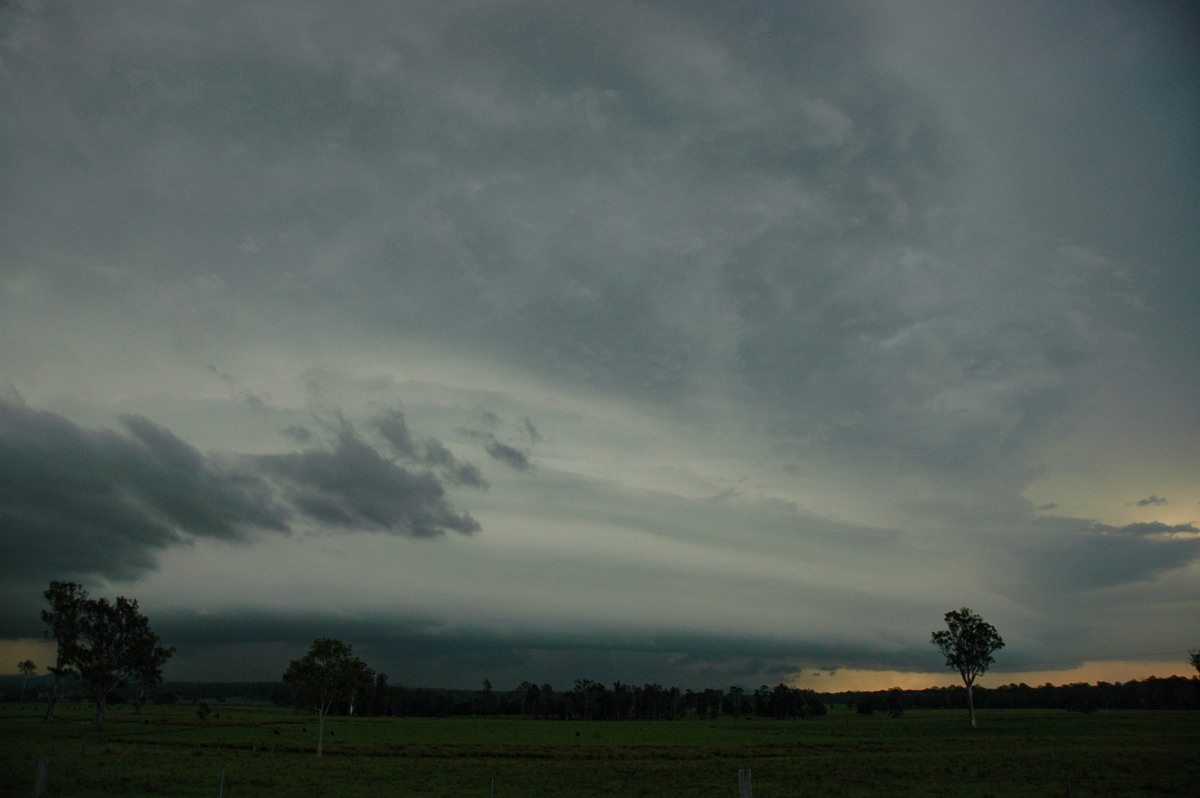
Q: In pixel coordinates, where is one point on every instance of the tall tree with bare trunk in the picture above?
(67, 600)
(968, 643)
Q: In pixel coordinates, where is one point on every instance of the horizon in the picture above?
(822, 681)
(688, 343)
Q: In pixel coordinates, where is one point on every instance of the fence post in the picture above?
(43, 776)
(745, 789)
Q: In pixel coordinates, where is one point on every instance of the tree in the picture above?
(114, 643)
(26, 667)
(968, 643)
(1194, 658)
(66, 608)
(100, 642)
(327, 674)
(146, 666)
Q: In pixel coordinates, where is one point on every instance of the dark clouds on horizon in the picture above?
(810, 305)
(148, 490)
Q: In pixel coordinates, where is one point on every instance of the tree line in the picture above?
(584, 700)
(1156, 693)
(330, 677)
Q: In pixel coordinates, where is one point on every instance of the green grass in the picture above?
(269, 752)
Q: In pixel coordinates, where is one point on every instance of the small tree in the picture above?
(26, 668)
(968, 643)
(1194, 658)
(327, 674)
(67, 600)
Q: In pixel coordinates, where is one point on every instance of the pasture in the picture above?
(240, 752)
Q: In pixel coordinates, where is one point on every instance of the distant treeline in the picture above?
(1174, 692)
(590, 700)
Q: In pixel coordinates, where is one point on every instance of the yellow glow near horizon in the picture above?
(12, 651)
(847, 679)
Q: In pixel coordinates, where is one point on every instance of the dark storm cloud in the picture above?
(77, 501)
(1151, 501)
(1099, 556)
(870, 248)
(353, 486)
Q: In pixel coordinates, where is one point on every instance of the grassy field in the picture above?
(268, 752)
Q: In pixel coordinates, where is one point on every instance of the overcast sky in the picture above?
(693, 343)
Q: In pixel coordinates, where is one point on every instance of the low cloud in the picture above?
(426, 652)
(1151, 501)
(76, 502)
(1101, 556)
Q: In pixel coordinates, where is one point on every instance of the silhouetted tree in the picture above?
(26, 667)
(620, 702)
(377, 699)
(146, 666)
(734, 702)
(485, 699)
(66, 606)
(1194, 658)
(527, 695)
(968, 643)
(114, 642)
(328, 673)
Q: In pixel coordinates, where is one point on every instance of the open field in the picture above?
(268, 752)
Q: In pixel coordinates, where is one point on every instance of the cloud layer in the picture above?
(724, 340)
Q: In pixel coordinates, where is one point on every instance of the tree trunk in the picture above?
(100, 706)
(53, 699)
(971, 705)
(320, 732)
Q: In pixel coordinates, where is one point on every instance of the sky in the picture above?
(692, 343)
